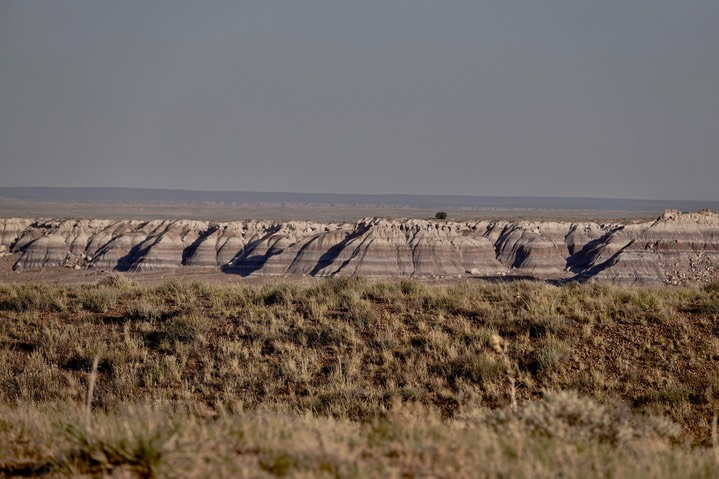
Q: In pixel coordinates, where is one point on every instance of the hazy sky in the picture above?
(611, 98)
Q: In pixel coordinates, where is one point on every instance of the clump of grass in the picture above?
(186, 328)
(99, 299)
(479, 368)
(142, 446)
(32, 297)
(117, 281)
(566, 416)
(711, 389)
(554, 325)
(671, 399)
(182, 294)
(335, 285)
(409, 288)
(712, 287)
(143, 310)
(281, 294)
(551, 354)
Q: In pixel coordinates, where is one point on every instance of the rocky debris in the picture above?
(677, 248)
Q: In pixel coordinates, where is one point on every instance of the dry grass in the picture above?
(563, 435)
(353, 378)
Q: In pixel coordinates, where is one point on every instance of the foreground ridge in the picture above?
(676, 248)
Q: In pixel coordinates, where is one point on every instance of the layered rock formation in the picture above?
(677, 248)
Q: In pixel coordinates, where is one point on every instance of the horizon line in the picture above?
(415, 195)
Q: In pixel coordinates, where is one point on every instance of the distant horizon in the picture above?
(119, 194)
(297, 192)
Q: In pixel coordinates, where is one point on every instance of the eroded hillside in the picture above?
(676, 248)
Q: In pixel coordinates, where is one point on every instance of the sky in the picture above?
(570, 98)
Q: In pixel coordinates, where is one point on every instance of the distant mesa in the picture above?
(677, 248)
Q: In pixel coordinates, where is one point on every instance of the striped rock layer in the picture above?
(677, 248)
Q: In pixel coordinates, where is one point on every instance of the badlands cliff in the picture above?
(677, 248)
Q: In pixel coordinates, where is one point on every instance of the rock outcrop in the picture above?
(677, 248)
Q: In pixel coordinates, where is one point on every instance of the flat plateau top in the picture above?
(147, 204)
(14, 208)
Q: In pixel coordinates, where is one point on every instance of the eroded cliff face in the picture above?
(677, 248)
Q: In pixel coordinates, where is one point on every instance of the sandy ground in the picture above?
(68, 277)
